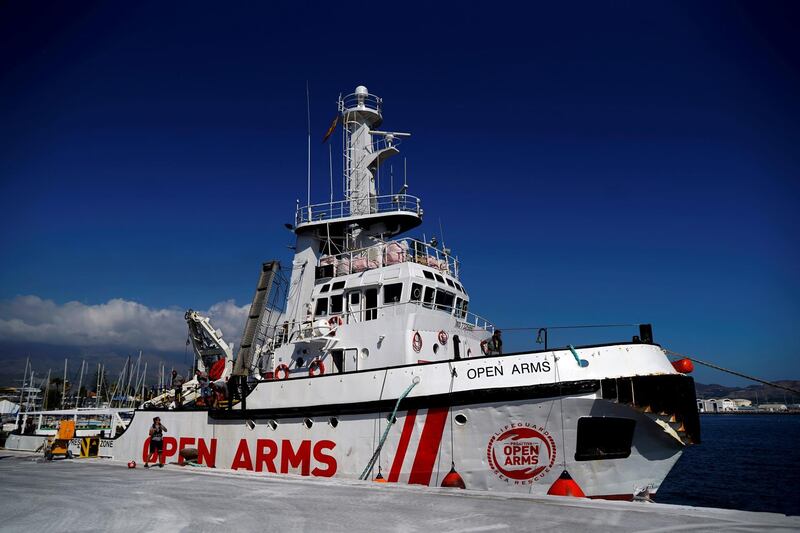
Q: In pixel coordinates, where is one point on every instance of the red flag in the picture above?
(331, 129)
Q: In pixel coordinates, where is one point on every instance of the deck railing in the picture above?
(390, 253)
(321, 326)
(387, 203)
(354, 102)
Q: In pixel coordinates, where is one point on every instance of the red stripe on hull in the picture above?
(402, 446)
(428, 446)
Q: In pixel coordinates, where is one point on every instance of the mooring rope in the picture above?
(716, 367)
(392, 420)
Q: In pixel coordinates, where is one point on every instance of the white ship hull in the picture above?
(506, 423)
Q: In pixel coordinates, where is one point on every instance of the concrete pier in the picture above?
(103, 495)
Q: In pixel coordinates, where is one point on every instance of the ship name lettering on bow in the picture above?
(485, 372)
(531, 368)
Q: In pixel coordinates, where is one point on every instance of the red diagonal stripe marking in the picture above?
(402, 447)
(428, 446)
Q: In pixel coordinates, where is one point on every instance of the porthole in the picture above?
(435, 348)
(250, 425)
(307, 422)
(272, 424)
(333, 421)
(364, 353)
(460, 419)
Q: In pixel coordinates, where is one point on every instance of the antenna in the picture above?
(391, 179)
(308, 128)
(404, 188)
(330, 167)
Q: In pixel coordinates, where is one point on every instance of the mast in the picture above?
(30, 391)
(24, 380)
(144, 378)
(64, 386)
(46, 391)
(364, 217)
(80, 384)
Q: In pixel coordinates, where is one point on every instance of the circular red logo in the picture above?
(521, 452)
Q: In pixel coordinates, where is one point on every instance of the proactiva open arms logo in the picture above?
(521, 453)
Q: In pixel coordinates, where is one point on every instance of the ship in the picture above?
(362, 359)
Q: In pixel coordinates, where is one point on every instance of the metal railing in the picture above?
(354, 102)
(387, 203)
(314, 328)
(391, 253)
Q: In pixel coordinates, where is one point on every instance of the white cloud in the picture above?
(118, 323)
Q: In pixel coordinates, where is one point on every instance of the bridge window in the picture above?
(444, 300)
(392, 293)
(428, 274)
(459, 287)
(460, 308)
(416, 292)
(439, 278)
(450, 282)
(337, 285)
(428, 298)
(604, 437)
(322, 307)
(337, 303)
(371, 304)
(325, 288)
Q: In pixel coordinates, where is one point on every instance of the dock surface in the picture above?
(103, 495)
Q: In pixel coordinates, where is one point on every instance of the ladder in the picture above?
(258, 320)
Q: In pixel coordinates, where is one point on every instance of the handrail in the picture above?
(355, 102)
(386, 203)
(384, 254)
(286, 333)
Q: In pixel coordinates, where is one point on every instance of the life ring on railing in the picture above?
(443, 336)
(284, 369)
(335, 321)
(315, 365)
(485, 347)
(416, 341)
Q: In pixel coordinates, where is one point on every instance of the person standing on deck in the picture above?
(156, 443)
(177, 385)
(495, 344)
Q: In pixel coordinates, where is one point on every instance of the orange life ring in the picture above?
(335, 321)
(284, 369)
(315, 365)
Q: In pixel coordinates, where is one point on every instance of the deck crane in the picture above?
(212, 355)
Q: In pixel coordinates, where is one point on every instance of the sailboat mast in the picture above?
(64, 386)
(80, 384)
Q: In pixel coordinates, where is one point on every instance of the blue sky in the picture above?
(590, 162)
